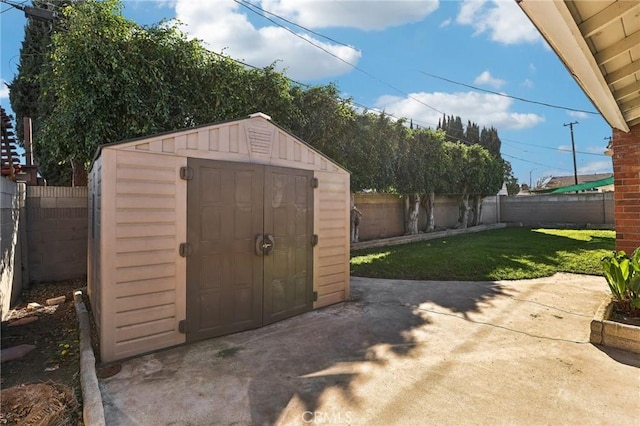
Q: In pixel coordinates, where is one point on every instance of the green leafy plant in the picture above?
(623, 276)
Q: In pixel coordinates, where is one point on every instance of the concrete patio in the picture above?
(401, 352)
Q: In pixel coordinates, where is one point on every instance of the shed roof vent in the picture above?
(260, 114)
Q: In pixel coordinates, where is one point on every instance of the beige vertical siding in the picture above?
(331, 223)
(148, 285)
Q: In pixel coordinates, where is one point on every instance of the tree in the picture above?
(321, 118)
(26, 86)
(435, 169)
(488, 181)
(111, 79)
(490, 141)
(513, 188)
(410, 167)
(453, 128)
(472, 133)
(474, 173)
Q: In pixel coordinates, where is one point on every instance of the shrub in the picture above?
(623, 276)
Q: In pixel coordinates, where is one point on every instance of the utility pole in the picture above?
(530, 182)
(33, 12)
(573, 148)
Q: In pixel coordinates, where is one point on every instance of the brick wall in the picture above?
(57, 232)
(626, 174)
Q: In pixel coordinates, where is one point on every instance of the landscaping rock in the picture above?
(23, 321)
(33, 306)
(56, 300)
(15, 352)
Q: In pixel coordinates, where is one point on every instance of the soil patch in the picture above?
(43, 387)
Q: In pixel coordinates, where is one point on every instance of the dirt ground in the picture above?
(43, 387)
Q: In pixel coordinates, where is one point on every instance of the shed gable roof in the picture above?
(254, 139)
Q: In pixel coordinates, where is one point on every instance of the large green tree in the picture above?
(110, 79)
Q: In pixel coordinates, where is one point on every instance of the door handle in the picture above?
(268, 244)
(264, 244)
(258, 245)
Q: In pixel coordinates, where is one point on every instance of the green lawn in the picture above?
(502, 254)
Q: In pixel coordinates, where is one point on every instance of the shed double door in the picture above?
(249, 230)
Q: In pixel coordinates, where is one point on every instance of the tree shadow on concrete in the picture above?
(320, 355)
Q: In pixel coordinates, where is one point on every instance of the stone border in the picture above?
(403, 239)
(92, 409)
(613, 334)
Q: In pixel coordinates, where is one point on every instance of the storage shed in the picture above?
(212, 230)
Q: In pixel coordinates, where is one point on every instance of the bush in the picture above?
(623, 276)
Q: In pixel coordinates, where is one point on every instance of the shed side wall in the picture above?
(149, 278)
(94, 228)
(106, 256)
(331, 224)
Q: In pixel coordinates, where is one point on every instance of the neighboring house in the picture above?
(599, 43)
(597, 182)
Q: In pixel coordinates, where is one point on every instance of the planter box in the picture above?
(613, 334)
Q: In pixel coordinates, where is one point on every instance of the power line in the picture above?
(367, 73)
(553, 149)
(11, 5)
(533, 162)
(240, 2)
(253, 8)
(509, 96)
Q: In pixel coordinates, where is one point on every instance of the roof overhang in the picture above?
(599, 43)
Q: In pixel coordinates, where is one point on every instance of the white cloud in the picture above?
(159, 4)
(445, 23)
(578, 114)
(361, 14)
(482, 108)
(527, 83)
(565, 149)
(532, 68)
(502, 19)
(225, 28)
(4, 90)
(488, 79)
(600, 166)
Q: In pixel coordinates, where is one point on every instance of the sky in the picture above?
(417, 59)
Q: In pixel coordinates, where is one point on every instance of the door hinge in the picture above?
(185, 249)
(186, 173)
(314, 240)
(315, 296)
(182, 327)
(314, 182)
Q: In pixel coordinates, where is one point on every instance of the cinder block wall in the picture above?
(588, 209)
(383, 214)
(57, 232)
(626, 175)
(10, 244)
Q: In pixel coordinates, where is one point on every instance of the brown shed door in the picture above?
(249, 229)
(288, 216)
